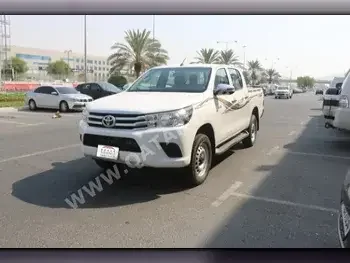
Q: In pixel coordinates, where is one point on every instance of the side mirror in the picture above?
(54, 93)
(224, 89)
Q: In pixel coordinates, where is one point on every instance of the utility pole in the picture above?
(85, 51)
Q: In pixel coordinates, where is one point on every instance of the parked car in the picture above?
(319, 92)
(342, 111)
(98, 89)
(330, 103)
(51, 97)
(344, 214)
(283, 92)
(180, 116)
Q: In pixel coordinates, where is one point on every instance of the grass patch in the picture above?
(15, 104)
(12, 97)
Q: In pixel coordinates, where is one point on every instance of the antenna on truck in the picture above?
(182, 63)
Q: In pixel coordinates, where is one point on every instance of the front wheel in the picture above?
(252, 130)
(201, 159)
(64, 106)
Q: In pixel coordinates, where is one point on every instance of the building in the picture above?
(38, 60)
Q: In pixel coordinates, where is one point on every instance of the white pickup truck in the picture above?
(173, 117)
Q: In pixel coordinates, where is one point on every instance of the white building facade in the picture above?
(38, 60)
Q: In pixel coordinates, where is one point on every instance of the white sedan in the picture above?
(61, 98)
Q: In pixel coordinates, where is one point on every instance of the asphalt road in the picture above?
(283, 192)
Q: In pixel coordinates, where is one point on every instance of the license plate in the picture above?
(107, 152)
(346, 220)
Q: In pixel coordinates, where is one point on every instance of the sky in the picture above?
(296, 45)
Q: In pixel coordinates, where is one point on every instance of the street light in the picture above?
(244, 55)
(154, 27)
(85, 51)
(226, 43)
(68, 52)
(273, 61)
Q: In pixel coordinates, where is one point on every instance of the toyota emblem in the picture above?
(108, 121)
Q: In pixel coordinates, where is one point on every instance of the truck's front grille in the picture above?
(122, 121)
(124, 144)
(332, 102)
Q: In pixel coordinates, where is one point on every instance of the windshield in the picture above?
(282, 88)
(109, 87)
(179, 79)
(66, 90)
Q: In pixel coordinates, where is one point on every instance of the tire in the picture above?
(64, 106)
(252, 130)
(275, 97)
(32, 105)
(201, 160)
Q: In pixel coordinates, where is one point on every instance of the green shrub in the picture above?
(118, 81)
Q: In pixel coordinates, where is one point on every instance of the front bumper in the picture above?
(77, 105)
(152, 144)
(282, 94)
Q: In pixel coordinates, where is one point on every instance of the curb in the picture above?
(12, 109)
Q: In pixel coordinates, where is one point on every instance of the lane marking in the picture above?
(225, 195)
(39, 153)
(288, 203)
(33, 124)
(22, 124)
(274, 149)
(292, 133)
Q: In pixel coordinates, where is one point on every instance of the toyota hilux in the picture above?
(173, 117)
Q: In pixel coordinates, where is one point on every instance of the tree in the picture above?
(19, 65)
(246, 77)
(59, 67)
(207, 56)
(228, 57)
(271, 75)
(305, 82)
(140, 52)
(254, 69)
(117, 80)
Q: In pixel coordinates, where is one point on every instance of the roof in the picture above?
(214, 66)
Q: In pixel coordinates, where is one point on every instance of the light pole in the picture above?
(85, 51)
(273, 61)
(226, 43)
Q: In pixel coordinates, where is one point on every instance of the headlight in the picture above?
(85, 115)
(170, 118)
(72, 99)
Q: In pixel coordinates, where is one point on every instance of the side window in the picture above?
(48, 90)
(39, 90)
(236, 78)
(221, 77)
(95, 87)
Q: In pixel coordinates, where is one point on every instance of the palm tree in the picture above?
(228, 57)
(254, 69)
(140, 52)
(207, 56)
(271, 75)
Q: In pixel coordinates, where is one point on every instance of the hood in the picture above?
(76, 96)
(144, 102)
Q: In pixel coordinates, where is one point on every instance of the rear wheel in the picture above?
(32, 105)
(252, 130)
(201, 159)
(64, 106)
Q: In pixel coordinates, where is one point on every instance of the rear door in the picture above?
(330, 102)
(241, 99)
(96, 91)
